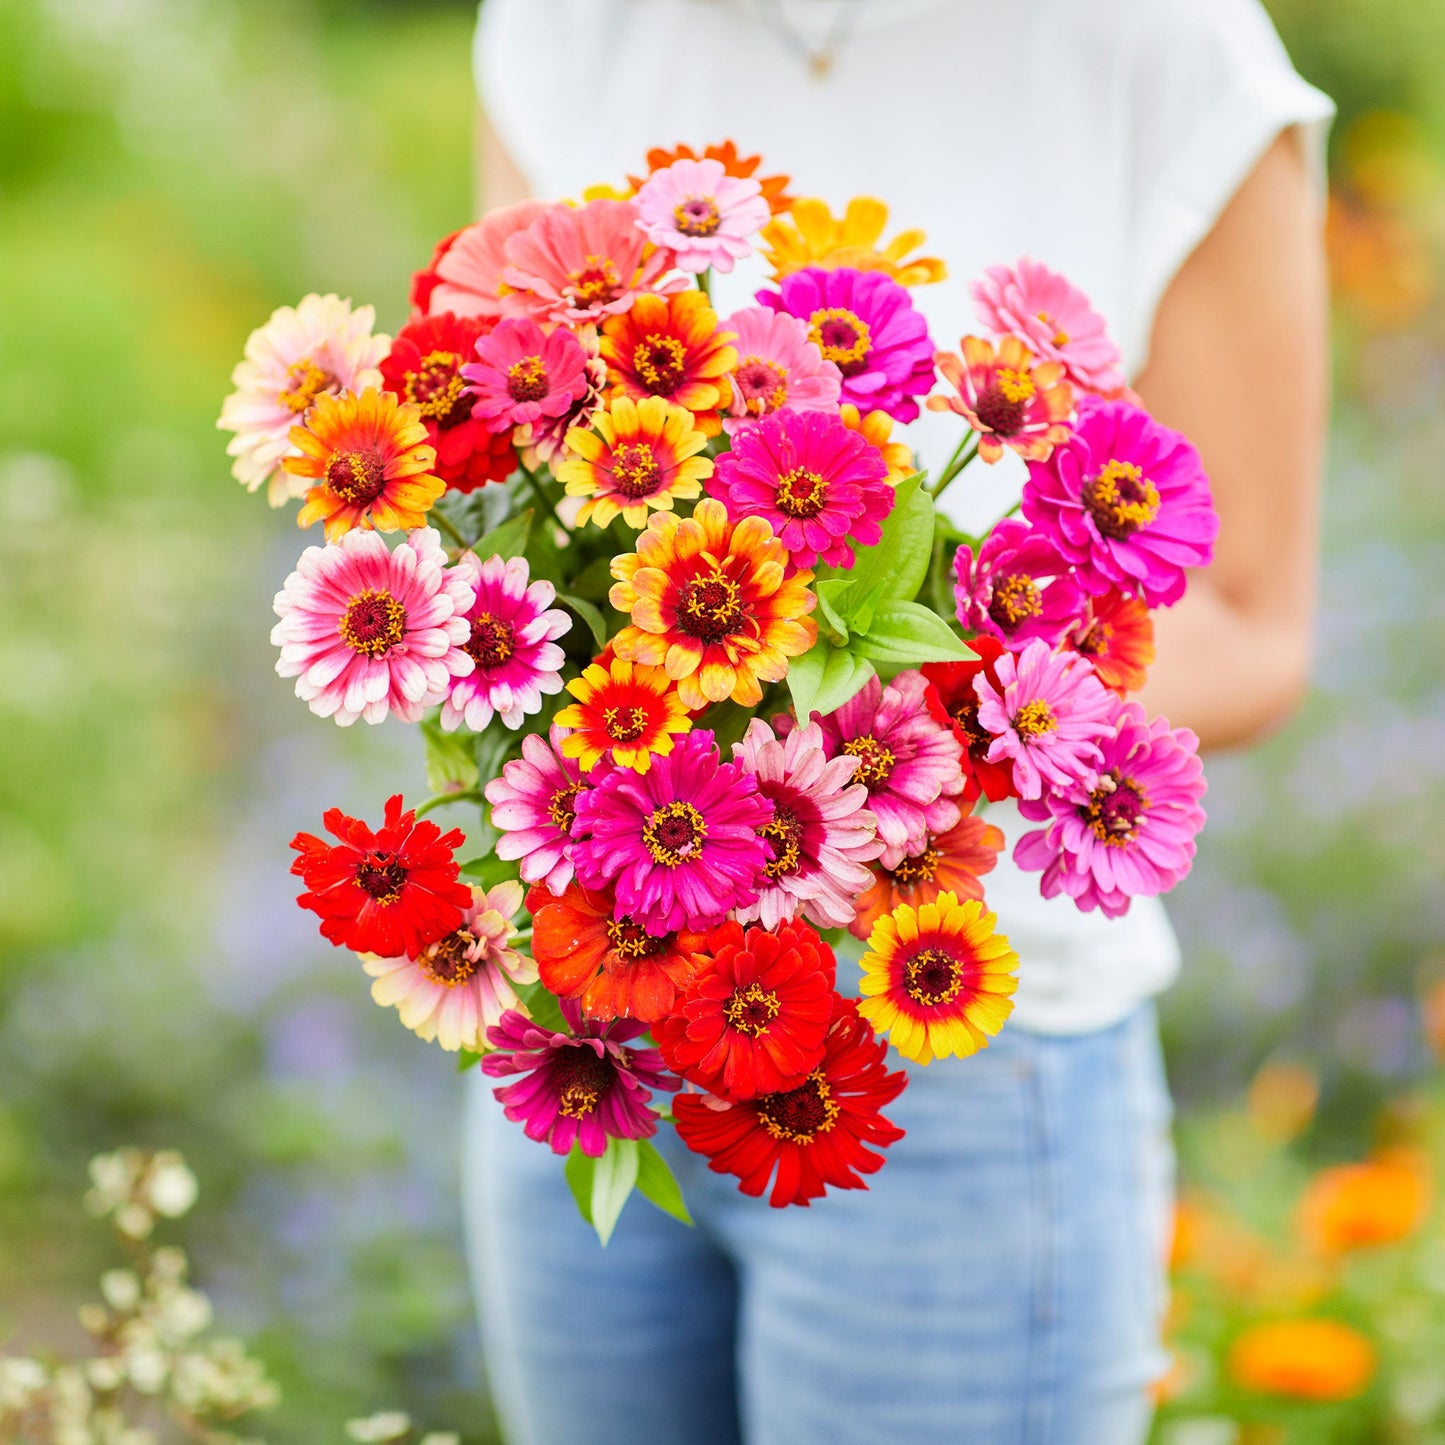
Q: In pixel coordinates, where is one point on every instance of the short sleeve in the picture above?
(1212, 87)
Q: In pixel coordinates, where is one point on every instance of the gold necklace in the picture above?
(819, 60)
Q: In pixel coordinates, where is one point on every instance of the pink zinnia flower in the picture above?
(907, 759)
(680, 841)
(778, 366)
(576, 264)
(1054, 317)
(1126, 501)
(813, 481)
(703, 214)
(522, 375)
(585, 1087)
(821, 835)
(512, 644)
(1130, 835)
(534, 804)
(459, 986)
(1008, 399)
(1048, 716)
(1017, 588)
(368, 632)
(465, 276)
(544, 442)
(865, 324)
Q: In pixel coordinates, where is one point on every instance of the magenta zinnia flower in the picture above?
(1017, 588)
(368, 632)
(1054, 317)
(534, 803)
(703, 214)
(821, 835)
(1048, 716)
(585, 1087)
(813, 481)
(1126, 501)
(1130, 835)
(865, 324)
(511, 644)
(907, 759)
(680, 841)
(522, 375)
(777, 366)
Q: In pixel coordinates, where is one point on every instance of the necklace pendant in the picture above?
(820, 63)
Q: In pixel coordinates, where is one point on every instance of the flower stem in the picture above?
(966, 452)
(1012, 511)
(444, 524)
(470, 795)
(704, 282)
(543, 501)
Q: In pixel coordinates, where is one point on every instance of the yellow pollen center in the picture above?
(624, 724)
(784, 835)
(527, 379)
(492, 642)
(674, 833)
(697, 216)
(1034, 720)
(802, 493)
(842, 337)
(635, 471)
(630, 941)
(750, 1010)
(1016, 386)
(437, 390)
(661, 363)
(710, 607)
(449, 962)
(357, 477)
(1121, 500)
(562, 806)
(800, 1115)
(593, 284)
(305, 381)
(381, 877)
(1059, 338)
(922, 868)
(875, 763)
(932, 976)
(1115, 809)
(373, 623)
(1014, 599)
(581, 1078)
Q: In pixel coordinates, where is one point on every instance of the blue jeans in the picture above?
(999, 1283)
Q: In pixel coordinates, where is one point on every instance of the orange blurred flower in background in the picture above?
(1282, 1099)
(1305, 1359)
(1358, 1206)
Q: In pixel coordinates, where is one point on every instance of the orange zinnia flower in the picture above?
(1118, 638)
(1355, 1206)
(876, 428)
(1306, 1359)
(372, 462)
(623, 711)
(709, 602)
(774, 187)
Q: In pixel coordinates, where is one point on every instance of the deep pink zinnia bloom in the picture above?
(1054, 317)
(1130, 835)
(816, 483)
(704, 215)
(522, 375)
(680, 842)
(1018, 587)
(581, 1088)
(1048, 716)
(1126, 501)
(865, 324)
(534, 803)
(778, 366)
(908, 759)
(822, 834)
(367, 631)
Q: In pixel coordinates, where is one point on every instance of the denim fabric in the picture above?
(999, 1283)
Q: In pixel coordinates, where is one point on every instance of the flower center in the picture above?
(492, 642)
(697, 216)
(381, 876)
(750, 1010)
(635, 472)
(437, 390)
(710, 608)
(966, 716)
(674, 833)
(581, 1079)
(932, 976)
(1060, 337)
(1034, 720)
(357, 477)
(1014, 599)
(919, 869)
(875, 761)
(783, 833)
(449, 962)
(1003, 407)
(593, 284)
(802, 493)
(305, 381)
(1093, 639)
(1121, 500)
(373, 623)
(800, 1115)
(562, 806)
(527, 380)
(661, 362)
(1115, 809)
(631, 941)
(625, 724)
(842, 337)
(763, 385)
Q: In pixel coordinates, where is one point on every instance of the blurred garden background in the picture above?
(171, 171)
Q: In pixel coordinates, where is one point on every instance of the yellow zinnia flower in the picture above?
(810, 235)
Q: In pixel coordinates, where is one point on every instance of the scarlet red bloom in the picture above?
(386, 892)
(612, 964)
(753, 1017)
(826, 1131)
(952, 697)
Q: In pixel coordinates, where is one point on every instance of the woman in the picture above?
(1001, 1281)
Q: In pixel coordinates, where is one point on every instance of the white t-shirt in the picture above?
(1102, 137)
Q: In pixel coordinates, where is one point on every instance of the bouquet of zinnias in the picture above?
(665, 594)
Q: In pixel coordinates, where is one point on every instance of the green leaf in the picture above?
(591, 615)
(508, 540)
(594, 581)
(864, 605)
(579, 1170)
(542, 1006)
(904, 634)
(900, 559)
(728, 721)
(451, 763)
(825, 678)
(489, 870)
(466, 1059)
(832, 596)
(656, 1182)
(612, 1179)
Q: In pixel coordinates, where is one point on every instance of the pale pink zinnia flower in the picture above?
(469, 271)
(461, 985)
(1048, 716)
(534, 804)
(703, 214)
(512, 642)
(821, 835)
(1054, 317)
(368, 632)
(319, 346)
(778, 366)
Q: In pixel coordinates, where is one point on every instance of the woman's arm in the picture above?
(497, 181)
(1239, 364)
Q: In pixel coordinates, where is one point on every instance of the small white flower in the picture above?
(121, 1289)
(389, 1425)
(170, 1186)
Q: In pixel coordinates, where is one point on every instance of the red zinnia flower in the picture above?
(813, 1135)
(953, 699)
(386, 892)
(753, 1017)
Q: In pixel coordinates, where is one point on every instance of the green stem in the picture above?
(470, 795)
(543, 500)
(967, 451)
(445, 525)
(704, 283)
(1012, 511)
